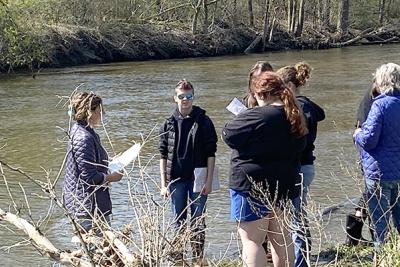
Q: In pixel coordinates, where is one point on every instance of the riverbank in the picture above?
(64, 45)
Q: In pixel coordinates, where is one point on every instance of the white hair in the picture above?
(387, 78)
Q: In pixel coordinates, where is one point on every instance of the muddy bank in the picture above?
(123, 42)
(66, 45)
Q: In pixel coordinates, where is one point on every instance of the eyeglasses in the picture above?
(188, 96)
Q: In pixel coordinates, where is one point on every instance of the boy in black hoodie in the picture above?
(187, 141)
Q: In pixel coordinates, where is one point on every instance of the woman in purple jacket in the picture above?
(379, 142)
(85, 191)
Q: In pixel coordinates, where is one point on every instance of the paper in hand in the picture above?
(118, 163)
(236, 106)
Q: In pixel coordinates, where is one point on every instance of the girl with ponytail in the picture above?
(266, 142)
(295, 77)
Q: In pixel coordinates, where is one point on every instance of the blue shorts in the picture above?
(245, 208)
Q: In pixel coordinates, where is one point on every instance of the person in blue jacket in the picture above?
(379, 143)
(85, 192)
(355, 222)
(295, 77)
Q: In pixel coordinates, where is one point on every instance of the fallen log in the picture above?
(370, 33)
(41, 242)
(251, 48)
(392, 40)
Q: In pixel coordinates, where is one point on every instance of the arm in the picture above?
(163, 175)
(236, 132)
(163, 148)
(319, 112)
(210, 146)
(210, 173)
(368, 137)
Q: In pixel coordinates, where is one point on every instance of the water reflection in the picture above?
(138, 97)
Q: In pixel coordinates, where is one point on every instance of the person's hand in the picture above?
(207, 188)
(114, 177)
(164, 191)
(356, 131)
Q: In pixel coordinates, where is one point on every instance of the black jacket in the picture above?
(313, 114)
(364, 107)
(264, 150)
(201, 137)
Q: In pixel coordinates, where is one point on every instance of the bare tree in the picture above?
(300, 21)
(205, 16)
(290, 15)
(266, 23)
(343, 18)
(382, 9)
(234, 12)
(196, 8)
(325, 14)
(251, 14)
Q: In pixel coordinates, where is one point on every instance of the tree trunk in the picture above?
(234, 12)
(290, 15)
(196, 16)
(266, 24)
(326, 11)
(293, 21)
(300, 21)
(214, 12)
(205, 12)
(382, 4)
(271, 33)
(251, 14)
(343, 18)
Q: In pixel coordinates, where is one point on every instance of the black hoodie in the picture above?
(187, 142)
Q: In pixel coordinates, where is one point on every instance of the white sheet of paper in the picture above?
(235, 106)
(124, 159)
(200, 177)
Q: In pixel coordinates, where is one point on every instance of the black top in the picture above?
(184, 160)
(187, 142)
(313, 114)
(264, 150)
(364, 107)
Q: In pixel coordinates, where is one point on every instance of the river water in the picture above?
(138, 96)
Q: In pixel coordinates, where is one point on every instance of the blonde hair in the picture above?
(84, 104)
(297, 74)
(387, 78)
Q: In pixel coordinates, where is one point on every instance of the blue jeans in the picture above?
(383, 201)
(180, 192)
(86, 223)
(301, 235)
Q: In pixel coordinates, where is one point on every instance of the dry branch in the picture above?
(41, 242)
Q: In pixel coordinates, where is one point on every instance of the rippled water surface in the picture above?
(138, 96)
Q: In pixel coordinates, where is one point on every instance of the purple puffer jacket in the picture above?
(84, 192)
(380, 139)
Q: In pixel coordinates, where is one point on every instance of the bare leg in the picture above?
(282, 246)
(252, 235)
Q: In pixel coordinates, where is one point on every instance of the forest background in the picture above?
(58, 33)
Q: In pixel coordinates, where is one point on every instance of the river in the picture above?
(138, 96)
